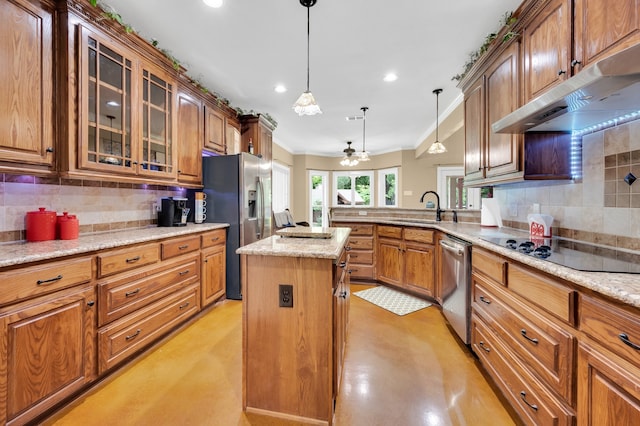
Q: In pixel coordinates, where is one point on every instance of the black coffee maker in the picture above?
(173, 212)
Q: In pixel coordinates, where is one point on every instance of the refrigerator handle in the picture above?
(260, 208)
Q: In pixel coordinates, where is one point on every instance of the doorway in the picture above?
(319, 198)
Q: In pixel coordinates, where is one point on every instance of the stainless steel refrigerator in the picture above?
(238, 189)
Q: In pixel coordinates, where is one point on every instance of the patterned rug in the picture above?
(392, 300)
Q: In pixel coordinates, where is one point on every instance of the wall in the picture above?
(99, 206)
(601, 208)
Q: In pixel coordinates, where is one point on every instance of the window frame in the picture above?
(353, 174)
(381, 199)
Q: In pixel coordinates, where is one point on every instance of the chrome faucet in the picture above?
(438, 209)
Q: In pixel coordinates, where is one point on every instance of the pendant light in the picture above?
(364, 155)
(437, 147)
(306, 103)
(348, 159)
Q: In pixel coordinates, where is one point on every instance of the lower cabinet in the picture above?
(341, 299)
(406, 257)
(361, 250)
(47, 352)
(214, 255)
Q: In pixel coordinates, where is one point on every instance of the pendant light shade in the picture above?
(349, 159)
(364, 155)
(306, 103)
(437, 147)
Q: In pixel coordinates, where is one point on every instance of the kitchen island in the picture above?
(295, 313)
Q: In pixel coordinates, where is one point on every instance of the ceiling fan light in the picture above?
(306, 105)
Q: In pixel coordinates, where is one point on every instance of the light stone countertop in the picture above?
(622, 287)
(324, 248)
(25, 252)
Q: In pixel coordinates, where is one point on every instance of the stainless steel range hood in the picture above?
(602, 91)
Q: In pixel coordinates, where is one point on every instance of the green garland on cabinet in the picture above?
(508, 20)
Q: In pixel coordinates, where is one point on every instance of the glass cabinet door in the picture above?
(157, 124)
(106, 115)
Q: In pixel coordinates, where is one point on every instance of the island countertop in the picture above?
(322, 248)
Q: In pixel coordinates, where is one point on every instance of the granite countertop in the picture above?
(621, 287)
(324, 248)
(25, 252)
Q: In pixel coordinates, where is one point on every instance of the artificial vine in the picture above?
(507, 20)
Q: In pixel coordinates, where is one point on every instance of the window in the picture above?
(280, 183)
(353, 188)
(387, 187)
(319, 190)
(452, 192)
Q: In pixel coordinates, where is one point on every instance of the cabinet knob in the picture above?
(560, 72)
(91, 303)
(49, 149)
(575, 62)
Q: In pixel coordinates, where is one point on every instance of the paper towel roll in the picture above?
(490, 213)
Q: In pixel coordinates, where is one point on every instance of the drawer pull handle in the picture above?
(343, 264)
(184, 305)
(353, 242)
(485, 300)
(132, 293)
(133, 259)
(50, 280)
(343, 294)
(348, 248)
(183, 273)
(484, 347)
(133, 336)
(523, 395)
(183, 247)
(215, 239)
(354, 256)
(532, 340)
(626, 341)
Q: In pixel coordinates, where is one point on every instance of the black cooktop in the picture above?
(573, 254)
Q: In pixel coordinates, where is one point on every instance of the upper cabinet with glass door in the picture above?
(126, 111)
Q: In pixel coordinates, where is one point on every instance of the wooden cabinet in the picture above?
(234, 138)
(258, 130)
(490, 156)
(361, 251)
(406, 258)
(523, 332)
(214, 129)
(126, 111)
(603, 27)
(47, 352)
(26, 93)
(189, 138)
(547, 50)
(341, 300)
(214, 266)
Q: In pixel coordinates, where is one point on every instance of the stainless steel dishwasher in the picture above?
(455, 282)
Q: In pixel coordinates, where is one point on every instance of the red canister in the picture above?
(68, 226)
(41, 225)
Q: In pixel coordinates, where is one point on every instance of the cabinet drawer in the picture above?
(122, 296)
(362, 243)
(179, 247)
(390, 231)
(361, 257)
(361, 229)
(32, 281)
(418, 235)
(544, 346)
(130, 334)
(213, 238)
(489, 265)
(611, 326)
(527, 395)
(361, 272)
(110, 263)
(550, 296)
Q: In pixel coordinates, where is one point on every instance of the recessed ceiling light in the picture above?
(280, 88)
(213, 3)
(390, 77)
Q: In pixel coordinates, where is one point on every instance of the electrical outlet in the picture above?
(155, 208)
(285, 296)
(362, 213)
(536, 207)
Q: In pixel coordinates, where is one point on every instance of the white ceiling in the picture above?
(244, 49)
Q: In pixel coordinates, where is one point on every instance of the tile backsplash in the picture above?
(99, 206)
(599, 207)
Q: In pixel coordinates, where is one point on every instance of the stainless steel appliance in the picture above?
(455, 281)
(238, 192)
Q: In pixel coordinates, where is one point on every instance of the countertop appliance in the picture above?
(238, 192)
(455, 282)
(173, 211)
(574, 254)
